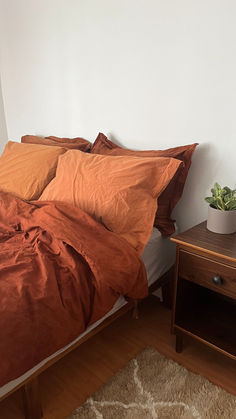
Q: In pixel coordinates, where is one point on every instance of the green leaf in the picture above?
(223, 192)
(231, 205)
(227, 189)
(211, 201)
(217, 186)
(220, 204)
(227, 198)
(213, 191)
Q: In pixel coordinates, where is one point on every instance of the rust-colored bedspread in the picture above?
(59, 272)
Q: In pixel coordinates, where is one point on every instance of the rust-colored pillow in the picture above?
(70, 143)
(26, 169)
(173, 192)
(119, 192)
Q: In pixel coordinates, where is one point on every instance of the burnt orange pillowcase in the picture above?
(173, 192)
(26, 169)
(70, 143)
(119, 192)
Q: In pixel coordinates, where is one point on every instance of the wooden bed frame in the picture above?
(30, 386)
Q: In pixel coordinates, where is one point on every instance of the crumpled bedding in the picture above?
(60, 271)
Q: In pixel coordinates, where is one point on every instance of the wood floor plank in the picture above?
(73, 379)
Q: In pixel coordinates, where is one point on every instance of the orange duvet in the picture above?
(59, 272)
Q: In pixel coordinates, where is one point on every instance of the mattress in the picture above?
(158, 257)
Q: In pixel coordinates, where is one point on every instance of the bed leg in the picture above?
(135, 310)
(31, 400)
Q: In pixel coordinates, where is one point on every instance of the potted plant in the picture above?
(222, 210)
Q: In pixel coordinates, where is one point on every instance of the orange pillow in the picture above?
(172, 194)
(119, 192)
(71, 143)
(25, 169)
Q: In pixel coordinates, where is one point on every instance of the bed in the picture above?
(158, 258)
(80, 241)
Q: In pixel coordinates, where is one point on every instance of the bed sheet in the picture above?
(158, 257)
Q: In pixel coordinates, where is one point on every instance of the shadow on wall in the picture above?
(192, 208)
(3, 125)
(113, 138)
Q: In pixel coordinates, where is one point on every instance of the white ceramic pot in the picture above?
(222, 222)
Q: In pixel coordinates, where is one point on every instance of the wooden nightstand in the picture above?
(205, 289)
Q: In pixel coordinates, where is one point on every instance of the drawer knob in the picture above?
(217, 280)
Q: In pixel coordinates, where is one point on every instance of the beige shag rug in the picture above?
(154, 387)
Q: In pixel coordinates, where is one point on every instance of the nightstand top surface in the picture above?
(198, 237)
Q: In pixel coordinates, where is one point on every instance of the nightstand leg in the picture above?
(179, 343)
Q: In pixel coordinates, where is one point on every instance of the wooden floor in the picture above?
(67, 384)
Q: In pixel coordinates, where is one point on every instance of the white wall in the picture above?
(150, 73)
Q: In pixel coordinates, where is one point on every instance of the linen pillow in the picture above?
(173, 192)
(71, 143)
(25, 169)
(119, 192)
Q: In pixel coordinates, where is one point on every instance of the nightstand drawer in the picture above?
(203, 271)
